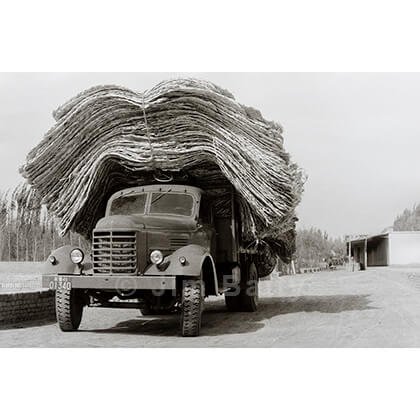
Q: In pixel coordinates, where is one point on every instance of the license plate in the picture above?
(60, 283)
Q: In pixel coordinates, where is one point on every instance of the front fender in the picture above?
(63, 264)
(195, 256)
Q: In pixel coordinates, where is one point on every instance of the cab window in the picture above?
(178, 204)
(129, 204)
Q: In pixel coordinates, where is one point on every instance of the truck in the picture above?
(160, 248)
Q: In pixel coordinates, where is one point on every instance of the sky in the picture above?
(356, 135)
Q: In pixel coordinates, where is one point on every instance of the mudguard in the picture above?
(63, 264)
(196, 256)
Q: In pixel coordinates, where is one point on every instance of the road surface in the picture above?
(374, 308)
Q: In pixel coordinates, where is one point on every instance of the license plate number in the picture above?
(61, 283)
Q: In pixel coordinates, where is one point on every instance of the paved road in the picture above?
(376, 308)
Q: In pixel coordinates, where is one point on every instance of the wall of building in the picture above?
(377, 252)
(404, 248)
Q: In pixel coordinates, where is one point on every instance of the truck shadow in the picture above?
(218, 321)
(269, 308)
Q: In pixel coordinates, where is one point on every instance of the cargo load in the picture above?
(182, 131)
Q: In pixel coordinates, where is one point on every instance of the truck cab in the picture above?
(160, 248)
(145, 226)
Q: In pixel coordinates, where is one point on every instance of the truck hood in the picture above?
(146, 222)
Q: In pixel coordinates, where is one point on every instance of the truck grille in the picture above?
(114, 253)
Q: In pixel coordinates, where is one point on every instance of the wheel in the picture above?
(233, 300)
(69, 309)
(247, 298)
(249, 290)
(192, 306)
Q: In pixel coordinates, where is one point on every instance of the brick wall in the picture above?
(26, 306)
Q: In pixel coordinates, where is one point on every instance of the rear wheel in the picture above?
(69, 309)
(249, 290)
(233, 299)
(192, 306)
(246, 298)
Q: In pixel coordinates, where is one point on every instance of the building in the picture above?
(389, 248)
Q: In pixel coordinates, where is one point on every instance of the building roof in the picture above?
(362, 238)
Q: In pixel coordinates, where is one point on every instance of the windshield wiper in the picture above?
(160, 196)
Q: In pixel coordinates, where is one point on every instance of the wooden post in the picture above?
(365, 256)
(351, 267)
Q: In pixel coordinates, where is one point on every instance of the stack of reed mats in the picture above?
(108, 138)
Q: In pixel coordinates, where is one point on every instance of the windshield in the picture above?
(129, 204)
(171, 203)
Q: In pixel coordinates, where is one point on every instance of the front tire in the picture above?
(192, 306)
(69, 309)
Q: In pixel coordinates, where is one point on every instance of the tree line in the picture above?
(27, 232)
(408, 220)
(314, 247)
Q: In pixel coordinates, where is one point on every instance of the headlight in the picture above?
(77, 256)
(52, 259)
(156, 257)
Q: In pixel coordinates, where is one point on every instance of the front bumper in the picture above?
(64, 281)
